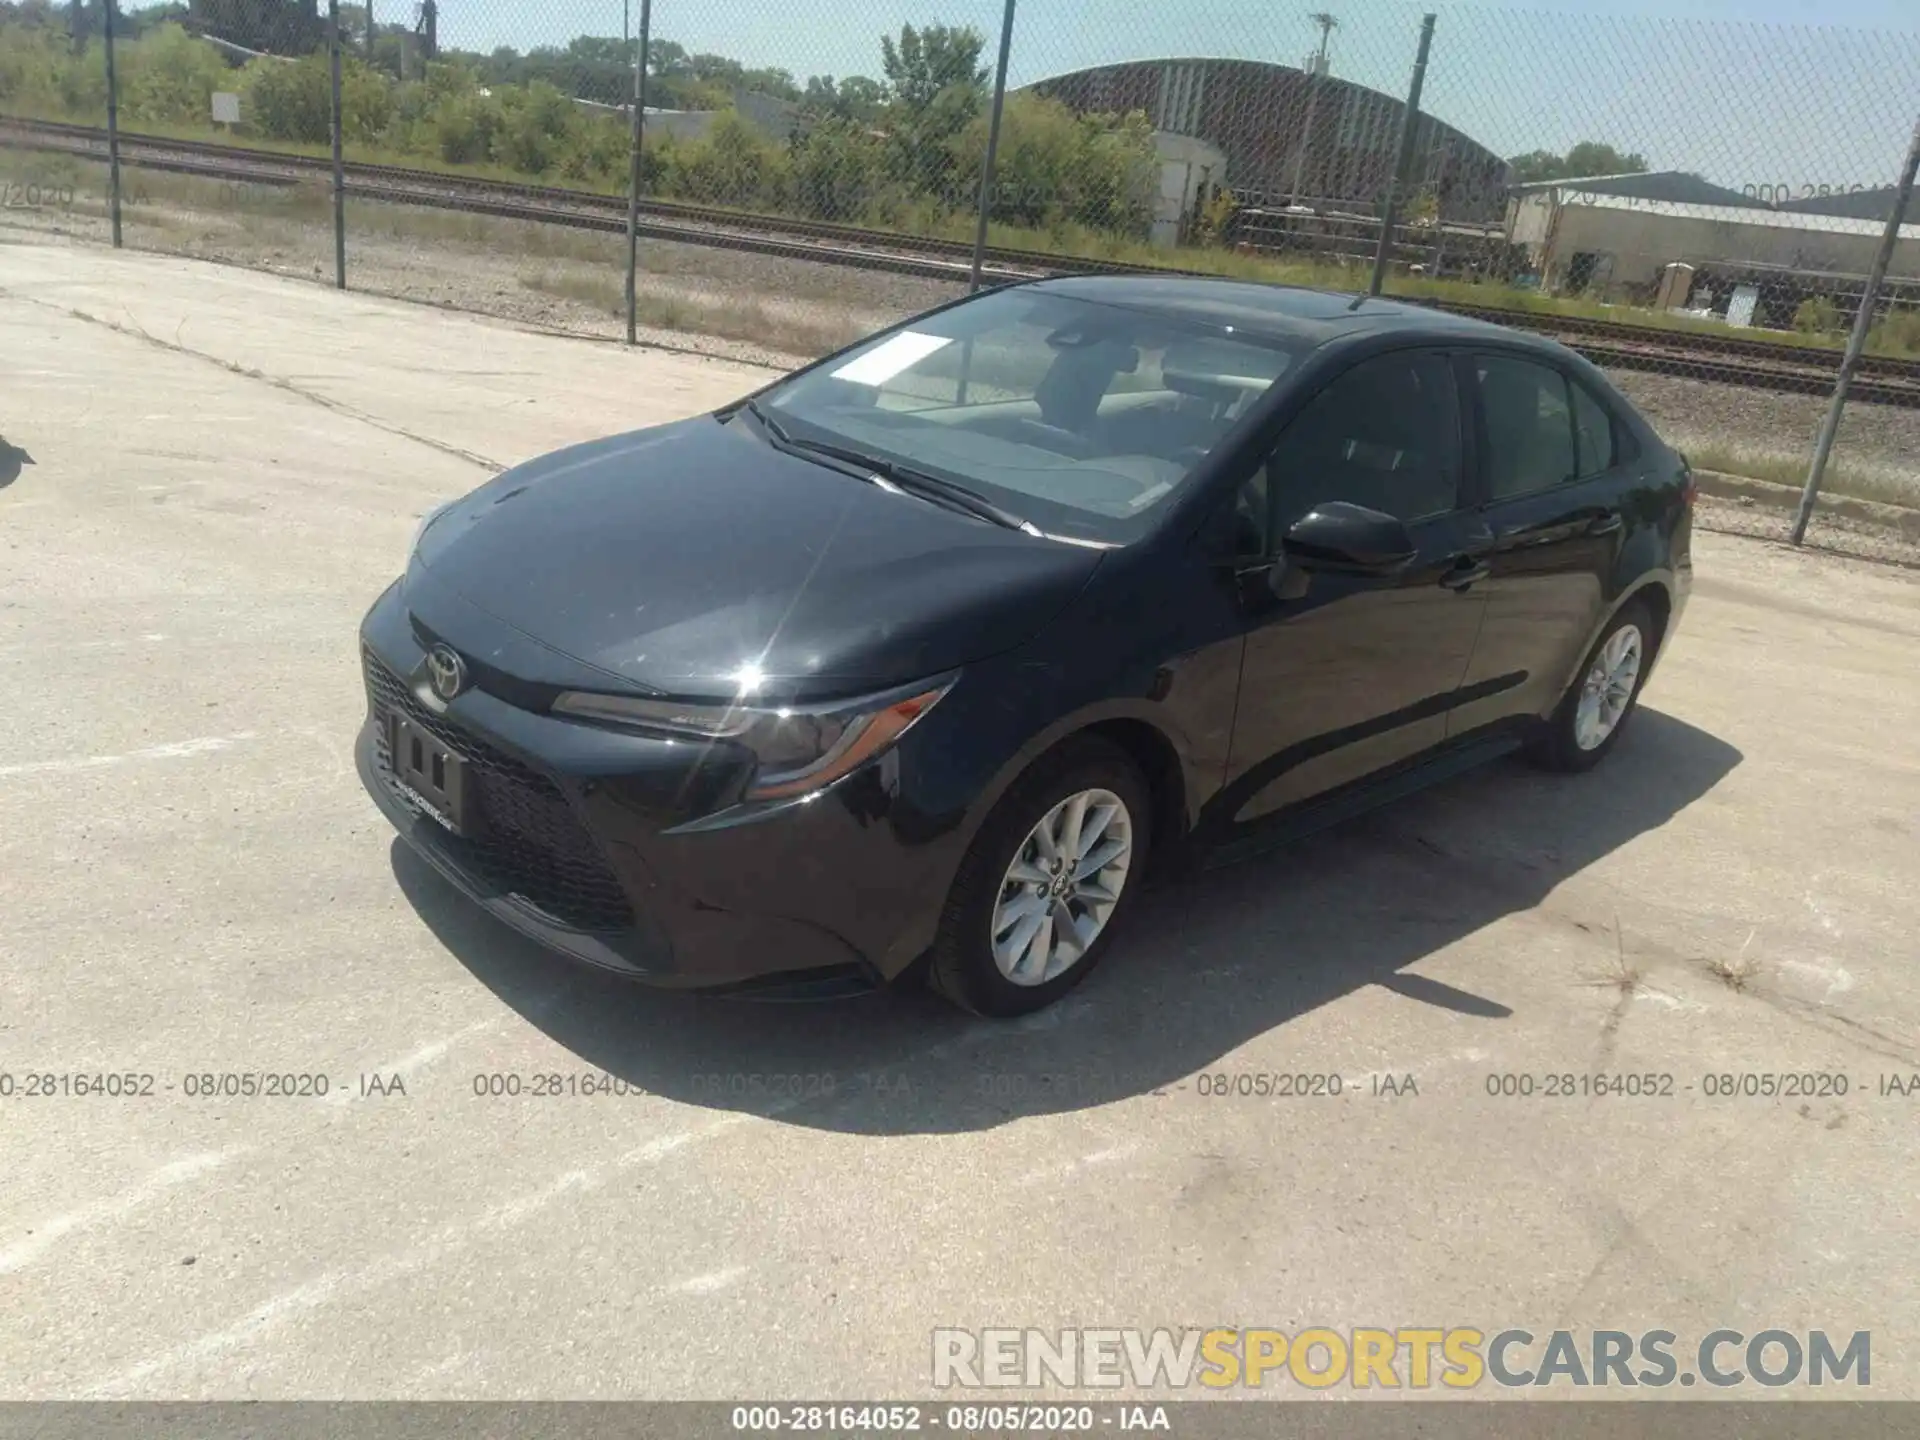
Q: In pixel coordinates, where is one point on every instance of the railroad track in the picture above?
(1729, 359)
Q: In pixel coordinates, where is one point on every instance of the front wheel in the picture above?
(1589, 719)
(1046, 882)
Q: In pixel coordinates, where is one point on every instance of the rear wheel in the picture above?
(1589, 720)
(1045, 883)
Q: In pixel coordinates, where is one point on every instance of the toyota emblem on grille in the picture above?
(446, 671)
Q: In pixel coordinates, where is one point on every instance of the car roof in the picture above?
(1287, 313)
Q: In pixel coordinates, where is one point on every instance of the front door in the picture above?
(1344, 676)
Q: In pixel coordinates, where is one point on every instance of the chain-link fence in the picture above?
(1706, 210)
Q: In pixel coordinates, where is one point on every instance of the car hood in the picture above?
(672, 557)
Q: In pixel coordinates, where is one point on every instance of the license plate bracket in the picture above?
(431, 773)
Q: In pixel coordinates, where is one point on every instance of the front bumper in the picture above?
(580, 856)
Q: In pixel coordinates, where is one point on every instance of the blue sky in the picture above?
(1781, 92)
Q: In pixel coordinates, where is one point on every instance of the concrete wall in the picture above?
(1642, 243)
(1632, 241)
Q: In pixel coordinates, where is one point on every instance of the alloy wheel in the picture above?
(1608, 688)
(1060, 890)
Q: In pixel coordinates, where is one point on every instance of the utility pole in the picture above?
(1409, 128)
(106, 33)
(1317, 69)
(1856, 342)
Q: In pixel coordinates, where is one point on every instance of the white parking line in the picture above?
(713, 1280)
(336, 1284)
(179, 750)
(339, 1284)
(1071, 1168)
(409, 1066)
(48, 1233)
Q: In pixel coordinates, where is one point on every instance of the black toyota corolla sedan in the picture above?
(919, 661)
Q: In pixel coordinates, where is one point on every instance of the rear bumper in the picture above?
(1678, 593)
(580, 859)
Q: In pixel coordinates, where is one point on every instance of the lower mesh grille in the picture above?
(532, 845)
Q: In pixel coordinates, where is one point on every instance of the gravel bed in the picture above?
(1833, 534)
(1881, 438)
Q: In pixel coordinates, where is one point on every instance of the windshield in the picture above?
(1084, 418)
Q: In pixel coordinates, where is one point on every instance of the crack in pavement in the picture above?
(134, 330)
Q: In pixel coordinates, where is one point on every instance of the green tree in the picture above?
(926, 63)
(935, 89)
(1589, 157)
(856, 98)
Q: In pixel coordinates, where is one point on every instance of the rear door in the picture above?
(1554, 472)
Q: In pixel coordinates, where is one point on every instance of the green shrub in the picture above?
(41, 76)
(535, 129)
(366, 103)
(1816, 315)
(1057, 168)
(837, 171)
(1897, 334)
(289, 100)
(733, 164)
(599, 152)
(464, 127)
(170, 77)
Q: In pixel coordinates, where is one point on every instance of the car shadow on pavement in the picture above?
(1211, 961)
(12, 457)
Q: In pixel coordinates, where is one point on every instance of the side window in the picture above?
(1592, 433)
(1530, 429)
(1385, 435)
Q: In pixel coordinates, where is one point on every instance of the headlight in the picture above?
(799, 748)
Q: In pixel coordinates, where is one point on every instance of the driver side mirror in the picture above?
(1346, 539)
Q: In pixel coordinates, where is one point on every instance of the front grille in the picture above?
(531, 844)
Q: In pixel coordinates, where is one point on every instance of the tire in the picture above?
(964, 967)
(1567, 741)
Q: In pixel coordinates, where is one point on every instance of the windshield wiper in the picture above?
(765, 417)
(934, 488)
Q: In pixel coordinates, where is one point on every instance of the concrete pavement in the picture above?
(787, 1200)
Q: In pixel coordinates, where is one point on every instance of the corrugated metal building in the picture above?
(1860, 203)
(1613, 236)
(1287, 133)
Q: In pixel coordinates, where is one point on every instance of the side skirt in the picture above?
(1310, 816)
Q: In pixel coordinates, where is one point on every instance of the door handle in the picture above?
(1607, 522)
(1466, 572)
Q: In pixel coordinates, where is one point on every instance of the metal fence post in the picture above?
(993, 147)
(113, 123)
(1857, 341)
(336, 124)
(633, 178)
(1409, 126)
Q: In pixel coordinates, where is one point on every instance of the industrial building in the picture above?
(1618, 237)
(1287, 134)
